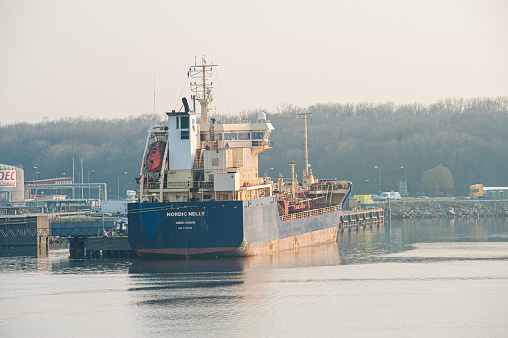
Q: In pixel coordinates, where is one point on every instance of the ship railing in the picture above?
(262, 143)
(256, 181)
(178, 184)
(182, 185)
(214, 145)
(285, 190)
(159, 124)
(310, 213)
(200, 165)
(226, 144)
(207, 185)
(241, 121)
(328, 186)
(151, 185)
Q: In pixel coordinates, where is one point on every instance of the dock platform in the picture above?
(363, 218)
(98, 246)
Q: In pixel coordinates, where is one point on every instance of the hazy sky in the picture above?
(97, 58)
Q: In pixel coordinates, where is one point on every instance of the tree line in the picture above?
(109, 147)
(346, 141)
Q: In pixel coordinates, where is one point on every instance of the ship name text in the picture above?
(185, 213)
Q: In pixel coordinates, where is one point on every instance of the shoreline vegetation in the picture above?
(447, 209)
(348, 141)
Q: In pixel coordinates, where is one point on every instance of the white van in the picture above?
(392, 195)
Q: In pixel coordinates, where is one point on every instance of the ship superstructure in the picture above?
(204, 160)
(200, 190)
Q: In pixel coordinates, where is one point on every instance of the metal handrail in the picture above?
(182, 184)
(241, 121)
(225, 144)
(310, 213)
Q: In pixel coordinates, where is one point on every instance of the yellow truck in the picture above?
(476, 191)
(479, 191)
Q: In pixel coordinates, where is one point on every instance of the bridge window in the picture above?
(184, 134)
(244, 136)
(258, 135)
(185, 122)
(230, 136)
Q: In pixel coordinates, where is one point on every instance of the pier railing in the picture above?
(55, 232)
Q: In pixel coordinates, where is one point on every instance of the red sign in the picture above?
(62, 180)
(7, 178)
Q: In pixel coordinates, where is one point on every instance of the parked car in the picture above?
(422, 197)
(392, 195)
(374, 197)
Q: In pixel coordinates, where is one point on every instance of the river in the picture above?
(439, 278)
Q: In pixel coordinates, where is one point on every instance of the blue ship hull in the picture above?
(237, 228)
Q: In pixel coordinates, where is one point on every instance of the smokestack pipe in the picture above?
(185, 104)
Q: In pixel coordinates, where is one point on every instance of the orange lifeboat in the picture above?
(154, 158)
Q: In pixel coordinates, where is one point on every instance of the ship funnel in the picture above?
(261, 116)
(185, 104)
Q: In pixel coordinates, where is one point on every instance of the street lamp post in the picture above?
(36, 187)
(77, 172)
(82, 178)
(89, 171)
(118, 193)
(378, 167)
(405, 179)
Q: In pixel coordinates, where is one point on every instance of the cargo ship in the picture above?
(200, 192)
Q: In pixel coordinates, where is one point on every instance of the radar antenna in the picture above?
(202, 87)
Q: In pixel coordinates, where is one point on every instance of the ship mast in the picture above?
(293, 182)
(306, 176)
(202, 89)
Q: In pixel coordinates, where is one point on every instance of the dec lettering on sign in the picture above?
(8, 178)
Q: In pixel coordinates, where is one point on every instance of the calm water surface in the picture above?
(416, 278)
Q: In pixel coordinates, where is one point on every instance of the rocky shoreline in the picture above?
(455, 209)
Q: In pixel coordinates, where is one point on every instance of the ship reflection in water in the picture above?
(350, 248)
(221, 296)
(324, 254)
(399, 279)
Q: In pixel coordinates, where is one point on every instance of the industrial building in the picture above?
(12, 183)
